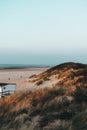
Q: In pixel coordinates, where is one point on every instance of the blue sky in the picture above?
(43, 31)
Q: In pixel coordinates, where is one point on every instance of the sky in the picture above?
(43, 31)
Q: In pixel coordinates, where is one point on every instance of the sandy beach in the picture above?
(19, 76)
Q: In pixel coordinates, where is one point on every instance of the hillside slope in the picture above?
(63, 106)
(67, 75)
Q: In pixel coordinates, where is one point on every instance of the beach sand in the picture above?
(19, 76)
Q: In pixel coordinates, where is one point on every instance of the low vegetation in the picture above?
(39, 82)
(48, 109)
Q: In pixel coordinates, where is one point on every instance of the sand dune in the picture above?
(56, 107)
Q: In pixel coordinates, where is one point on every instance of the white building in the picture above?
(6, 89)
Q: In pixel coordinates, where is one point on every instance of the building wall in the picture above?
(9, 87)
(0, 91)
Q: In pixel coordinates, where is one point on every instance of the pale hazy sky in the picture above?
(43, 31)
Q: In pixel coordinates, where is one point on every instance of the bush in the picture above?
(79, 122)
(80, 94)
(39, 82)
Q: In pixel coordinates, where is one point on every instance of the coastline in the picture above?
(23, 68)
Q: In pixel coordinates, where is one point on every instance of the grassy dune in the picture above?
(56, 108)
(50, 109)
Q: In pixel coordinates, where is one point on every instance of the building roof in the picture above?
(4, 84)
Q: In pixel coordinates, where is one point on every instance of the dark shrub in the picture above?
(80, 94)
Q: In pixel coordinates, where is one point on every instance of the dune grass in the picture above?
(46, 108)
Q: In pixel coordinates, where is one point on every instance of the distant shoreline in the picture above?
(21, 67)
(24, 67)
